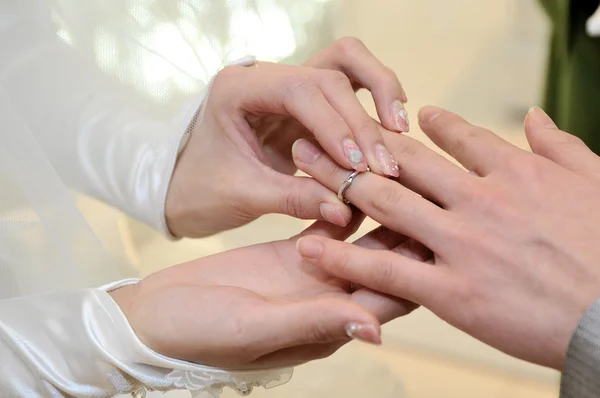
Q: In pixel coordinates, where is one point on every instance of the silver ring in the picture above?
(346, 184)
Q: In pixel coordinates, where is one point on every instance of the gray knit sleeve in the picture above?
(581, 374)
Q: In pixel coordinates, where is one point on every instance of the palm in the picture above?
(251, 297)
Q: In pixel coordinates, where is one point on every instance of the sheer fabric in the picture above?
(97, 95)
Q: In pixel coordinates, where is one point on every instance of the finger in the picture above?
(300, 197)
(384, 200)
(328, 230)
(562, 148)
(350, 56)
(385, 307)
(427, 172)
(287, 90)
(476, 148)
(381, 238)
(338, 91)
(299, 355)
(317, 321)
(380, 270)
(415, 250)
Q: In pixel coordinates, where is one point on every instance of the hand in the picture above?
(260, 306)
(237, 164)
(517, 260)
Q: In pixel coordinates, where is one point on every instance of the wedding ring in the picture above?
(346, 184)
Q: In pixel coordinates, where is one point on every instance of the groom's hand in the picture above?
(517, 259)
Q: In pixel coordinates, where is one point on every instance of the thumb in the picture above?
(319, 321)
(302, 197)
(547, 140)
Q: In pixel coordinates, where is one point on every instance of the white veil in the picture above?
(71, 66)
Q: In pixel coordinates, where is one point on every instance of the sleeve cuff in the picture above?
(581, 374)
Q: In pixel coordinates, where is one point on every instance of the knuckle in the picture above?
(349, 45)
(405, 147)
(300, 84)
(462, 234)
(335, 78)
(226, 75)
(332, 173)
(483, 198)
(388, 77)
(388, 199)
(524, 167)
(458, 148)
(293, 205)
(224, 83)
(386, 273)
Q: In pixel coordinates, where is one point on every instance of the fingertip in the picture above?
(309, 247)
(537, 116)
(366, 332)
(335, 214)
(429, 113)
(399, 117)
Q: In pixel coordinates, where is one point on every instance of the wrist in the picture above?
(124, 298)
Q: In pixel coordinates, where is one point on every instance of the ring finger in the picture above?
(384, 200)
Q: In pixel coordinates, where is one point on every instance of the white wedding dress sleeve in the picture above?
(97, 95)
(107, 134)
(79, 344)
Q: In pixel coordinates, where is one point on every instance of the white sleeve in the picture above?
(80, 344)
(110, 134)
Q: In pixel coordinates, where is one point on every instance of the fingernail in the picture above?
(429, 114)
(305, 151)
(400, 116)
(332, 214)
(363, 332)
(354, 155)
(541, 117)
(388, 164)
(309, 248)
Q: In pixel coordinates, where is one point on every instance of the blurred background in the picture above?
(482, 59)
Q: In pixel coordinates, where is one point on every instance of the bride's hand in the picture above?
(237, 164)
(260, 306)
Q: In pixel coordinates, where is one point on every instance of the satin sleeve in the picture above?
(79, 344)
(80, 76)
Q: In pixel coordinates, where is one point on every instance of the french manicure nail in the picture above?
(332, 213)
(388, 164)
(363, 332)
(309, 247)
(400, 116)
(305, 151)
(541, 117)
(354, 155)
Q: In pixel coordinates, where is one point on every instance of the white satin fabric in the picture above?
(79, 344)
(97, 95)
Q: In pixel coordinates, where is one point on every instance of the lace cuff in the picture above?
(80, 344)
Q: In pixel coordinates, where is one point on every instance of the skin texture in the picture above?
(516, 258)
(261, 306)
(237, 164)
